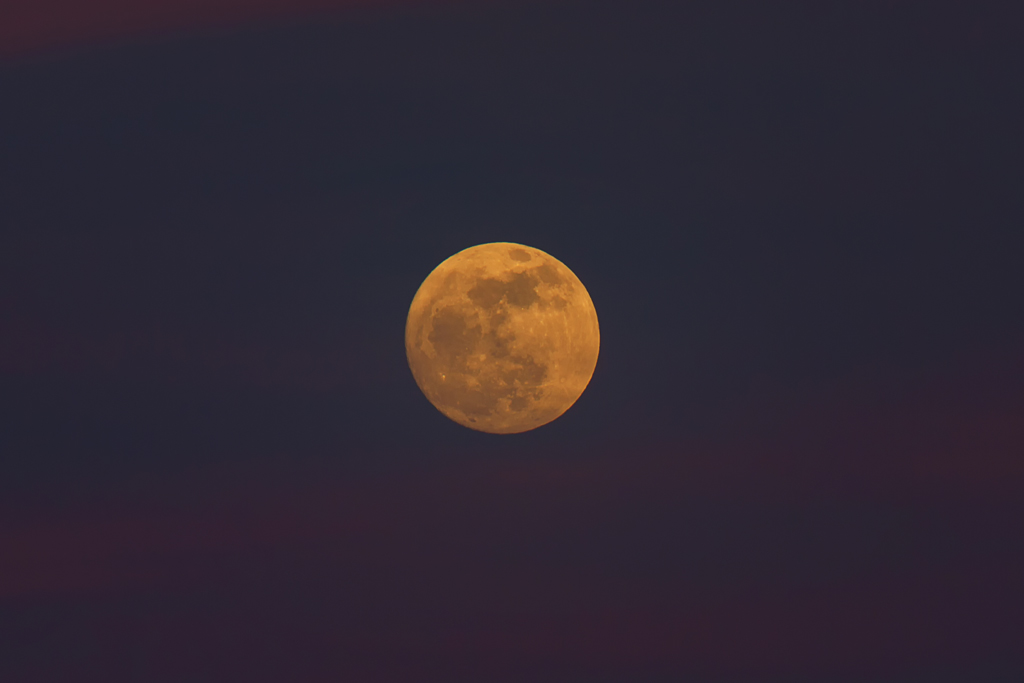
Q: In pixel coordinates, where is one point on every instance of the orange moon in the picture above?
(502, 338)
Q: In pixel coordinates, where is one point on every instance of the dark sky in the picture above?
(801, 456)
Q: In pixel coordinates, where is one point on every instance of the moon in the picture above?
(502, 338)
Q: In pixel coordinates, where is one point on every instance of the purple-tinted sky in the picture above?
(801, 457)
(44, 25)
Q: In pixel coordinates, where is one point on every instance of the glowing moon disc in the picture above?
(502, 338)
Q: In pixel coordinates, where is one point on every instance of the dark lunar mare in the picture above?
(518, 377)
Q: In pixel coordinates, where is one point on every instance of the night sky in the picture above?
(800, 458)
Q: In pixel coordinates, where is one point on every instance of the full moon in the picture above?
(502, 338)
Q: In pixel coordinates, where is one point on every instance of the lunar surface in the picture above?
(502, 338)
